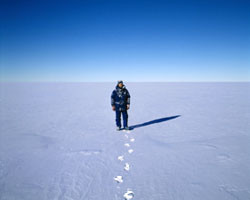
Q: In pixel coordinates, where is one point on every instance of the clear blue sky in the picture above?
(89, 40)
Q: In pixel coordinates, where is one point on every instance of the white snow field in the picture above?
(190, 141)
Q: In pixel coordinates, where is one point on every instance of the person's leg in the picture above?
(118, 118)
(125, 118)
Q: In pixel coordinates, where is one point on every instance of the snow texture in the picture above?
(190, 141)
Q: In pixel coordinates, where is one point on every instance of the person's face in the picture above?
(120, 85)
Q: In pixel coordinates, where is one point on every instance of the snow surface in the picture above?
(191, 141)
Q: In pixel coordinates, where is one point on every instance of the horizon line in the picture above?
(125, 81)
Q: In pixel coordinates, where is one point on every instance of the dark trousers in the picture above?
(124, 117)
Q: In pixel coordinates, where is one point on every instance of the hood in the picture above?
(117, 87)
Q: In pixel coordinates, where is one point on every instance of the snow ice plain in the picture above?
(189, 141)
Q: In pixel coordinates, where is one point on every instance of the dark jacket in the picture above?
(120, 98)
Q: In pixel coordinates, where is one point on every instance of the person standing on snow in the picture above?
(120, 102)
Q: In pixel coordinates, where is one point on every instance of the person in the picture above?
(120, 102)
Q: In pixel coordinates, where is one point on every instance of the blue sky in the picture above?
(90, 40)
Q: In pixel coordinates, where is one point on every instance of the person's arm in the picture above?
(128, 100)
(113, 100)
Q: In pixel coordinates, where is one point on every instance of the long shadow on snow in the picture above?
(153, 122)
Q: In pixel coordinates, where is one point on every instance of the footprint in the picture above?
(121, 158)
(129, 194)
(127, 131)
(126, 136)
(118, 179)
(130, 150)
(127, 144)
(132, 139)
(126, 167)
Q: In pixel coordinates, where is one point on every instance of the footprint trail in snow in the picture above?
(119, 179)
